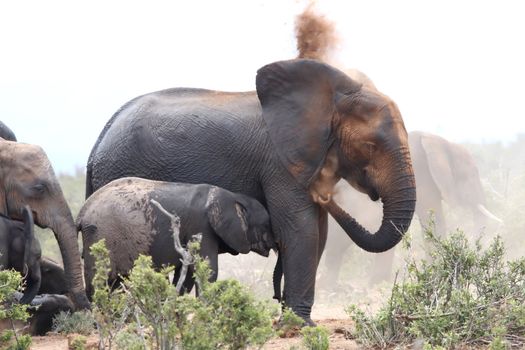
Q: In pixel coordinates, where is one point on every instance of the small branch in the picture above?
(187, 258)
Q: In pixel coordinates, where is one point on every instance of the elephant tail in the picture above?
(277, 277)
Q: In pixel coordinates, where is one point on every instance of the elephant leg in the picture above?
(480, 222)
(333, 260)
(299, 251)
(278, 270)
(208, 250)
(425, 208)
(323, 233)
(382, 267)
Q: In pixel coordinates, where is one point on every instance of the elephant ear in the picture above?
(441, 166)
(298, 106)
(228, 218)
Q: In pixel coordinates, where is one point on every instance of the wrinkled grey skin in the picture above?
(27, 178)
(6, 133)
(53, 277)
(20, 251)
(122, 214)
(286, 144)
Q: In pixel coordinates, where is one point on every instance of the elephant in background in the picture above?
(27, 178)
(122, 214)
(445, 173)
(6, 133)
(287, 144)
(20, 251)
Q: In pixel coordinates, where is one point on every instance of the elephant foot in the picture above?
(308, 322)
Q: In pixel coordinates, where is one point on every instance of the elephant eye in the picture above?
(39, 189)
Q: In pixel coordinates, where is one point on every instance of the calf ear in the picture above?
(228, 219)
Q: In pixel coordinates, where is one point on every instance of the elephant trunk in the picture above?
(398, 209)
(66, 235)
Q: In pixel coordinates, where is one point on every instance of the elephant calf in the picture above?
(20, 251)
(122, 213)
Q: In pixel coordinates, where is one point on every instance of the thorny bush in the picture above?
(461, 295)
(148, 313)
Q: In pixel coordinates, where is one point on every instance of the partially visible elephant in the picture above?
(53, 277)
(445, 173)
(122, 213)
(27, 178)
(286, 144)
(6, 133)
(20, 251)
(42, 309)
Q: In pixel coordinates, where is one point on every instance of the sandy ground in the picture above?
(337, 328)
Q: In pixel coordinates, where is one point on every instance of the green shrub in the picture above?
(110, 309)
(289, 324)
(10, 309)
(78, 343)
(224, 316)
(456, 297)
(315, 338)
(81, 322)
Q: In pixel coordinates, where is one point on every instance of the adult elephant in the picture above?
(6, 133)
(27, 178)
(286, 144)
(445, 172)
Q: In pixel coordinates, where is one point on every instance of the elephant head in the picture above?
(324, 127)
(27, 178)
(240, 221)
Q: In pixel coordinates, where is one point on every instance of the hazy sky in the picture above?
(455, 68)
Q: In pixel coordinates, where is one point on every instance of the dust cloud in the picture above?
(316, 35)
(347, 274)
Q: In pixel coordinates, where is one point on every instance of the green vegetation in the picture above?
(147, 312)
(80, 322)
(462, 295)
(315, 338)
(78, 343)
(289, 324)
(11, 282)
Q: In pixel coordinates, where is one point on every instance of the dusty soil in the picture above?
(332, 317)
(337, 327)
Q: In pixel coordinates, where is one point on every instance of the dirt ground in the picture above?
(337, 328)
(330, 316)
(255, 273)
